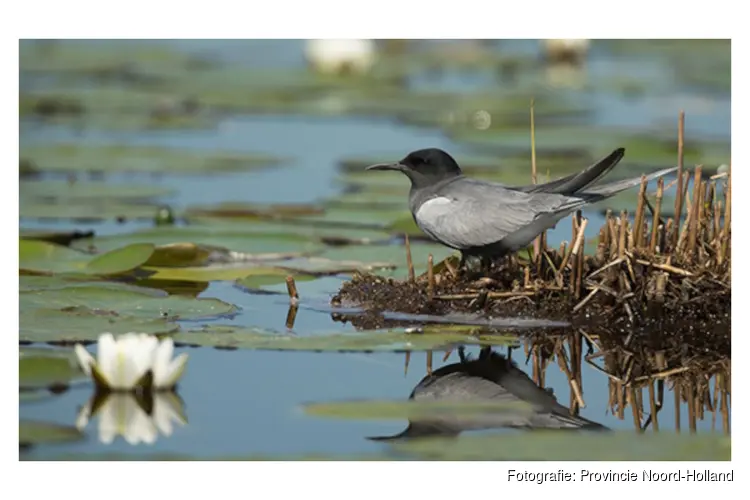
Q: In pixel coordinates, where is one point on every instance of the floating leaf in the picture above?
(272, 277)
(39, 368)
(376, 340)
(88, 211)
(63, 238)
(578, 446)
(76, 158)
(43, 257)
(82, 191)
(227, 237)
(31, 433)
(80, 312)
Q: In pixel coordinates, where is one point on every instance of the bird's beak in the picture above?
(387, 166)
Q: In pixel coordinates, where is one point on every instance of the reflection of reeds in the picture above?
(692, 390)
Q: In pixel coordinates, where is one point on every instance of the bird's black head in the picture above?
(424, 167)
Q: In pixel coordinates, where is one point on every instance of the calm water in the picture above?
(247, 403)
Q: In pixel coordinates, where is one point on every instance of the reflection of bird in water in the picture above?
(491, 377)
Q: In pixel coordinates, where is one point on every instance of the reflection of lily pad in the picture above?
(43, 257)
(31, 432)
(46, 367)
(414, 410)
(554, 446)
(116, 158)
(375, 340)
(82, 311)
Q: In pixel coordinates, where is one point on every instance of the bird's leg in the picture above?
(486, 265)
(462, 354)
(462, 262)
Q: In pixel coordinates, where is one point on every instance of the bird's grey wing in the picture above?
(472, 213)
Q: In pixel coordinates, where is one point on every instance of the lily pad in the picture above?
(32, 432)
(74, 157)
(38, 368)
(63, 191)
(43, 257)
(559, 446)
(272, 277)
(395, 255)
(229, 237)
(85, 212)
(63, 238)
(413, 410)
(652, 150)
(82, 311)
(434, 338)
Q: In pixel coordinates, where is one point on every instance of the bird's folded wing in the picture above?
(474, 213)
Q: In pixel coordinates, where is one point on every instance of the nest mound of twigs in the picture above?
(663, 285)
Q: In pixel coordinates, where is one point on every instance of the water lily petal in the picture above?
(85, 360)
(125, 366)
(106, 355)
(176, 369)
(162, 357)
(145, 351)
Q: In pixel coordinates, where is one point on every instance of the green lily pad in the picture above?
(395, 255)
(559, 446)
(216, 272)
(435, 337)
(43, 257)
(63, 238)
(31, 433)
(69, 56)
(77, 158)
(652, 150)
(82, 311)
(38, 368)
(229, 237)
(63, 191)
(413, 410)
(296, 228)
(258, 281)
(84, 212)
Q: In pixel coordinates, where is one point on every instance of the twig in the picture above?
(638, 222)
(695, 213)
(680, 162)
(490, 295)
(291, 289)
(586, 299)
(409, 263)
(430, 278)
(657, 214)
(664, 267)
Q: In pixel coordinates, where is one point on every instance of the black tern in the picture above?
(487, 219)
(491, 377)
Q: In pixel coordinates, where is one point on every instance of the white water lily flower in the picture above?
(123, 415)
(339, 56)
(124, 363)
